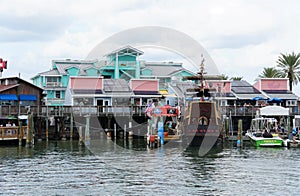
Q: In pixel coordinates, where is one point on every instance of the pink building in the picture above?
(272, 84)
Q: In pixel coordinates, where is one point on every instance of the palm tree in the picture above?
(270, 72)
(290, 67)
(236, 78)
(224, 77)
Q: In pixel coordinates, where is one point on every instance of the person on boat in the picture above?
(8, 124)
(267, 134)
(295, 134)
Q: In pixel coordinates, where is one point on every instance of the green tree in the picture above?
(289, 65)
(236, 78)
(224, 77)
(270, 72)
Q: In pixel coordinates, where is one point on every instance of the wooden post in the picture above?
(47, 127)
(239, 141)
(124, 131)
(57, 122)
(87, 130)
(71, 127)
(20, 134)
(29, 129)
(80, 135)
(115, 130)
(130, 132)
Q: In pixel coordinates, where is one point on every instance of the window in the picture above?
(52, 79)
(57, 94)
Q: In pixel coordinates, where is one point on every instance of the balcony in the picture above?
(55, 101)
(53, 84)
(123, 64)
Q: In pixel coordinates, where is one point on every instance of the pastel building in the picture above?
(99, 91)
(123, 63)
(278, 93)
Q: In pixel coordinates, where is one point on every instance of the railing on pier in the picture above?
(239, 110)
(13, 133)
(113, 110)
(79, 110)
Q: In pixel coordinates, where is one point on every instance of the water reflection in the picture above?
(129, 167)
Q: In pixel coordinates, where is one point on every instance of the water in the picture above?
(129, 168)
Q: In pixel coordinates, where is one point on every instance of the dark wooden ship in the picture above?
(201, 118)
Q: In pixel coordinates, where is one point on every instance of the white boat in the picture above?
(264, 133)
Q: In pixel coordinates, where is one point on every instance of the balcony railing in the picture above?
(53, 84)
(123, 63)
(55, 101)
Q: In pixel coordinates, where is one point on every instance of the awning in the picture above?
(274, 111)
(163, 92)
(8, 97)
(257, 98)
(275, 99)
(27, 97)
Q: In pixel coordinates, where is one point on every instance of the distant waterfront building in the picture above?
(123, 63)
(278, 93)
(101, 92)
(17, 95)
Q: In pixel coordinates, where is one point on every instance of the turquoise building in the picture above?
(123, 63)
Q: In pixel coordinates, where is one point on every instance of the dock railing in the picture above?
(13, 132)
(111, 110)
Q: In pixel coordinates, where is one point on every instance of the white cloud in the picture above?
(242, 37)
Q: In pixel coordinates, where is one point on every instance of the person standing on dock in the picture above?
(149, 109)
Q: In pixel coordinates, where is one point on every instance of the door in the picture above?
(100, 105)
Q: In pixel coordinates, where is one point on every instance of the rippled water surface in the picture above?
(129, 168)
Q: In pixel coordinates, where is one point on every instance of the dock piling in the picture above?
(239, 141)
(71, 127)
(80, 135)
(124, 131)
(87, 130)
(20, 134)
(115, 130)
(29, 142)
(47, 128)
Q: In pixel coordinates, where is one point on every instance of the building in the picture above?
(55, 81)
(98, 95)
(123, 63)
(18, 95)
(278, 93)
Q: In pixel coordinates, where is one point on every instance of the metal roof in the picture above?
(281, 95)
(126, 50)
(163, 69)
(243, 90)
(115, 85)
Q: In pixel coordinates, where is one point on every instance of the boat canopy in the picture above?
(274, 111)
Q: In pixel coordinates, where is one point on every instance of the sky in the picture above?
(241, 36)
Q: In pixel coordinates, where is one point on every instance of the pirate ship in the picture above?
(201, 117)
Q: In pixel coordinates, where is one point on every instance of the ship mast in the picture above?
(199, 78)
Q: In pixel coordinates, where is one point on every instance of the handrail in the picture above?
(118, 110)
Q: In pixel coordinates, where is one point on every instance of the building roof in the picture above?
(243, 90)
(126, 50)
(164, 69)
(180, 87)
(7, 87)
(50, 72)
(281, 94)
(115, 85)
(20, 80)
